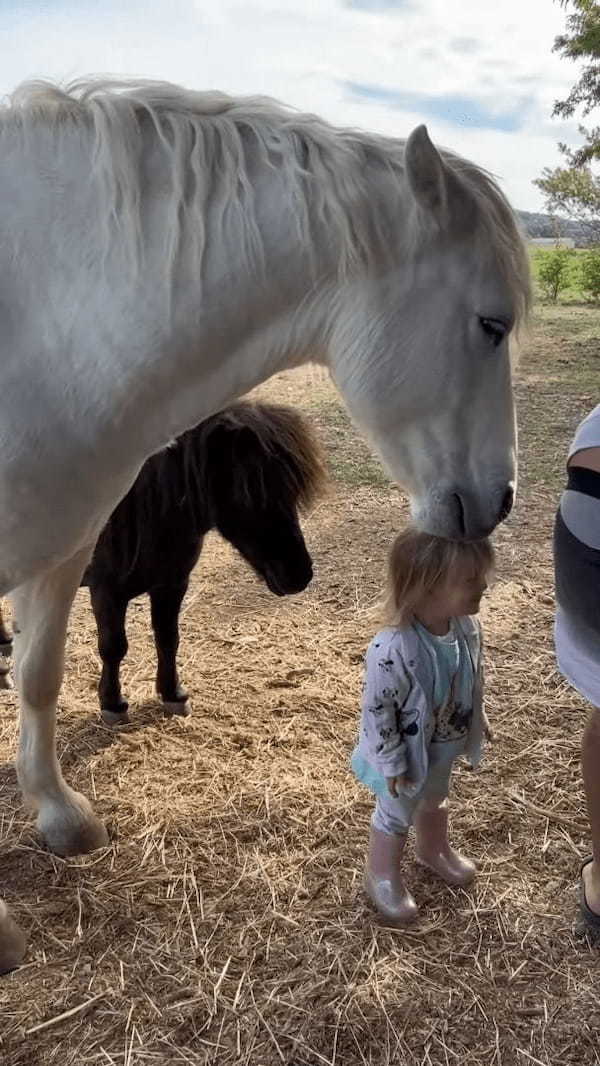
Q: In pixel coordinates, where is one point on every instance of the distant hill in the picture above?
(538, 225)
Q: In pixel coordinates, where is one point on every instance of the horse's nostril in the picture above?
(507, 503)
(462, 525)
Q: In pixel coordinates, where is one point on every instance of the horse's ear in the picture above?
(426, 172)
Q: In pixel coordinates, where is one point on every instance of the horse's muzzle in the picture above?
(477, 518)
(462, 514)
(283, 581)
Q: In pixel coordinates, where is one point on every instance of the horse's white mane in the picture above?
(206, 137)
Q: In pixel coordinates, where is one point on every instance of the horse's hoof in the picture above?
(72, 829)
(114, 718)
(12, 941)
(182, 708)
(6, 649)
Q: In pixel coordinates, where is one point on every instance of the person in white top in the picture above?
(577, 627)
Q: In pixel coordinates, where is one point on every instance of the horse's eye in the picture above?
(495, 329)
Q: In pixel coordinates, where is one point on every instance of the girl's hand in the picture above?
(397, 785)
(488, 732)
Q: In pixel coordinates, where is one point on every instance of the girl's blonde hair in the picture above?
(417, 561)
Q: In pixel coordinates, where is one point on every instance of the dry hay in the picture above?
(225, 924)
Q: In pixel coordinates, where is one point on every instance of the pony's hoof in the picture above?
(181, 708)
(12, 941)
(114, 718)
(73, 829)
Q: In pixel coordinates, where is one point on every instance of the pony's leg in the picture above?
(41, 611)
(165, 604)
(110, 611)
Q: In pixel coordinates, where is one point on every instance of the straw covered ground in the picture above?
(226, 924)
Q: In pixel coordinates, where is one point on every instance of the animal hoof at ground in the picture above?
(12, 941)
(182, 708)
(73, 829)
(114, 718)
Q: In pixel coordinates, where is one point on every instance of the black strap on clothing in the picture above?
(580, 479)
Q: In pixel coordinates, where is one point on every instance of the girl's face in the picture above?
(458, 594)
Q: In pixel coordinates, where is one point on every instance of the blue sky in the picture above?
(481, 75)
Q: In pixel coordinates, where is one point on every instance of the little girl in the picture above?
(422, 707)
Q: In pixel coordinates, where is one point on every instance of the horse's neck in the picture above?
(165, 354)
(236, 326)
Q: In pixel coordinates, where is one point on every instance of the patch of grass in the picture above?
(556, 385)
(564, 347)
(350, 460)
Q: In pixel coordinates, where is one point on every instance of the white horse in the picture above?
(164, 251)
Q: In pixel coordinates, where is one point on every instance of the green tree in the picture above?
(573, 191)
(581, 42)
(574, 188)
(553, 271)
(589, 273)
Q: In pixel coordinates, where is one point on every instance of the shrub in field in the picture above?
(589, 273)
(554, 271)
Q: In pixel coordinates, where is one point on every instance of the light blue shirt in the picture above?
(451, 662)
(418, 688)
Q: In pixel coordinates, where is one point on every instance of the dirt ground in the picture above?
(226, 923)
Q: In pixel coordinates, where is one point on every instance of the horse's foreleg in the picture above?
(165, 604)
(41, 610)
(12, 938)
(110, 611)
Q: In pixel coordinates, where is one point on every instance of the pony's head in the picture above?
(420, 349)
(263, 467)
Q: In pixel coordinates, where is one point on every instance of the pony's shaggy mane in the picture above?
(243, 450)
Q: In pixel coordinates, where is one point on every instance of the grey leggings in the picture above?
(395, 814)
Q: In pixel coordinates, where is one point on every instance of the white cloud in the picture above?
(306, 53)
